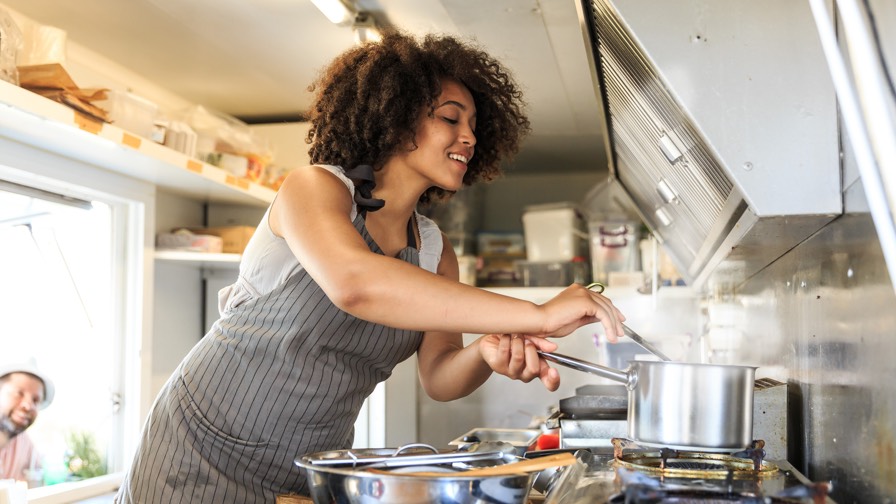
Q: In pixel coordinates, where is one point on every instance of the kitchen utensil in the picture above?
(682, 405)
(493, 452)
(546, 478)
(643, 343)
(531, 465)
(599, 288)
(345, 484)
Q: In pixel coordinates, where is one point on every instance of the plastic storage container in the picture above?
(131, 112)
(552, 273)
(554, 232)
(615, 247)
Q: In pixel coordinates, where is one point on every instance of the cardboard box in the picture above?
(235, 237)
(293, 499)
(497, 243)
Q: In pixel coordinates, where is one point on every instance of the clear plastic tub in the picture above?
(130, 112)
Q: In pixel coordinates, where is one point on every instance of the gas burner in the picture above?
(639, 488)
(683, 498)
(695, 465)
(690, 496)
(747, 464)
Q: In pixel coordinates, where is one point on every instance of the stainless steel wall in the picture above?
(823, 317)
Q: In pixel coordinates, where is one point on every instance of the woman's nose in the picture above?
(468, 137)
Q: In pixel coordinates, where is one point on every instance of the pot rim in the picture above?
(692, 364)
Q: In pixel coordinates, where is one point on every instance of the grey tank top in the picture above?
(277, 377)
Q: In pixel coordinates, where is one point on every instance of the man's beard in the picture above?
(11, 428)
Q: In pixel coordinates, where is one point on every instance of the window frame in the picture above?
(132, 204)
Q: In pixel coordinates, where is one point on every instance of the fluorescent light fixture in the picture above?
(336, 11)
(365, 29)
(365, 34)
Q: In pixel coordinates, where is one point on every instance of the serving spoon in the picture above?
(626, 330)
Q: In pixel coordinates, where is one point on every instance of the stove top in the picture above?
(630, 474)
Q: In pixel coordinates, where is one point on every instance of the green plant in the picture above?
(82, 457)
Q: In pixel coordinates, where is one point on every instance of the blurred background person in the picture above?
(24, 390)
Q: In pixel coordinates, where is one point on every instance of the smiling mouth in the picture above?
(21, 419)
(458, 157)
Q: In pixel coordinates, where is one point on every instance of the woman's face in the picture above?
(446, 137)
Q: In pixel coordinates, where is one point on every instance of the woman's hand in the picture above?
(515, 356)
(576, 306)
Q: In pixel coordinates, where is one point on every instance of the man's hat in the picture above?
(30, 366)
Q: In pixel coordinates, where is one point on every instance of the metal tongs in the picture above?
(628, 332)
(426, 459)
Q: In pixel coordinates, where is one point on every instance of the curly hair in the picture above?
(368, 100)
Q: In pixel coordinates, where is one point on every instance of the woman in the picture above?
(343, 280)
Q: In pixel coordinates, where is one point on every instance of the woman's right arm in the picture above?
(311, 212)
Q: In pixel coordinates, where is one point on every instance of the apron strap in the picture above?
(362, 176)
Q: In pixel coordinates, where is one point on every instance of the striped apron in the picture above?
(280, 376)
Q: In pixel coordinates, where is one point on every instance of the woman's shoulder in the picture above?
(313, 182)
(318, 179)
(310, 172)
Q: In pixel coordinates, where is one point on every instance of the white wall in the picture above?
(287, 142)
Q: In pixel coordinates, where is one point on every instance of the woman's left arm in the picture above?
(449, 371)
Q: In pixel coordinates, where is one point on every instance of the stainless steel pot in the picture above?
(682, 405)
(385, 479)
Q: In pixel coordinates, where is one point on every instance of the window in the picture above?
(74, 294)
(57, 306)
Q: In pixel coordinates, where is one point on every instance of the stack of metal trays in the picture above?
(592, 417)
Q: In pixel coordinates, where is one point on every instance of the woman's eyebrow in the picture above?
(455, 103)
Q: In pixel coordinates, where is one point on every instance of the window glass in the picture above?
(57, 305)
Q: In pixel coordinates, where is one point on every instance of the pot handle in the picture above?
(626, 377)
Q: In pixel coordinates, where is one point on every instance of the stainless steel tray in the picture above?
(522, 440)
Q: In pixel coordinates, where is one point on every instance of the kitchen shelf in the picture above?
(40, 123)
(203, 259)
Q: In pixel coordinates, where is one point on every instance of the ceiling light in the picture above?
(365, 29)
(336, 11)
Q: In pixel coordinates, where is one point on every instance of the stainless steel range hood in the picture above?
(722, 126)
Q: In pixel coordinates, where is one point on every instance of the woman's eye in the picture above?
(449, 120)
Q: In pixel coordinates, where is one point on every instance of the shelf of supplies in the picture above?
(30, 119)
(204, 259)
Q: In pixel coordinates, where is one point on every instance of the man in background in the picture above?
(24, 390)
